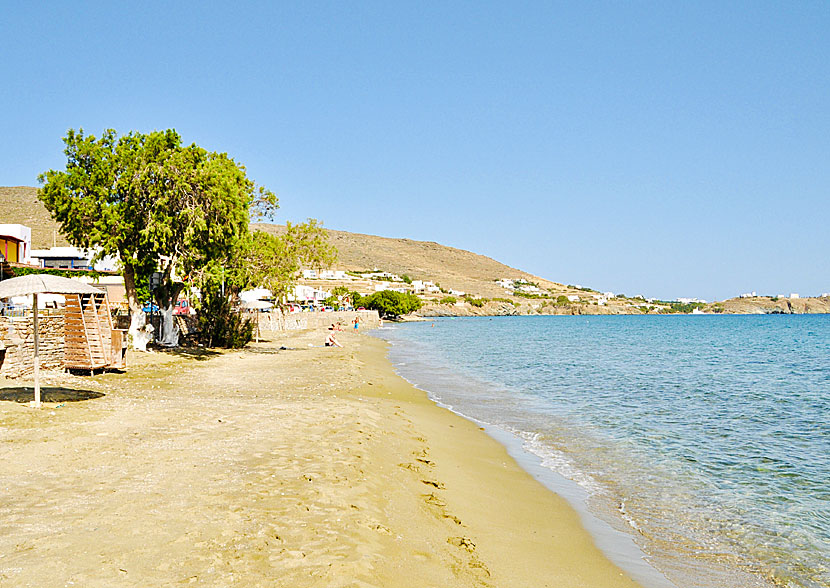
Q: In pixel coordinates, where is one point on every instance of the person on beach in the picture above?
(356, 322)
(331, 340)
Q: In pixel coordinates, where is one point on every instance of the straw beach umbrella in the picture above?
(35, 284)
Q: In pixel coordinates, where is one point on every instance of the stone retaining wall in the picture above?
(278, 321)
(17, 336)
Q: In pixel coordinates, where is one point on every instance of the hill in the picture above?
(19, 205)
(452, 268)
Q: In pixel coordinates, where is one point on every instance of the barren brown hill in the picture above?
(19, 205)
(452, 268)
(423, 260)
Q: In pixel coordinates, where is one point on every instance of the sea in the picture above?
(695, 447)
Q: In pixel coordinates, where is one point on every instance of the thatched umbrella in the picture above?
(35, 284)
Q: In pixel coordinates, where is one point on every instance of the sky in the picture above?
(671, 149)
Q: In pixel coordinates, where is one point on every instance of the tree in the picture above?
(391, 304)
(274, 261)
(259, 259)
(153, 203)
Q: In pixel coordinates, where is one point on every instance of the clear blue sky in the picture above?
(664, 148)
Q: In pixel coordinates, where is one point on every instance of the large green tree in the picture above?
(260, 259)
(153, 203)
(391, 304)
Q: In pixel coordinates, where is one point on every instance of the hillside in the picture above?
(453, 269)
(19, 205)
(422, 260)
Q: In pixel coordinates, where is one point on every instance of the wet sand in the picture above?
(305, 466)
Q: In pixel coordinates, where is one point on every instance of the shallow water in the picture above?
(706, 437)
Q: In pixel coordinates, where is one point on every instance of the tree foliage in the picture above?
(161, 206)
(391, 304)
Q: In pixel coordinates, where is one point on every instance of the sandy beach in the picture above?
(278, 465)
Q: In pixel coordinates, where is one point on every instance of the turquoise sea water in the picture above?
(707, 438)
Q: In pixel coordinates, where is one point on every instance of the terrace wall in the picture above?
(17, 337)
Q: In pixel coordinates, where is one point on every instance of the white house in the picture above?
(15, 243)
(302, 293)
(573, 298)
(72, 258)
(794, 295)
(529, 289)
(749, 295)
(422, 286)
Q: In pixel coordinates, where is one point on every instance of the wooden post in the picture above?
(37, 352)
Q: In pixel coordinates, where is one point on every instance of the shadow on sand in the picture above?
(25, 394)
(189, 352)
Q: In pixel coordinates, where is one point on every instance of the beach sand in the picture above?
(304, 466)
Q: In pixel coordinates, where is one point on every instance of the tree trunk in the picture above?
(166, 296)
(138, 335)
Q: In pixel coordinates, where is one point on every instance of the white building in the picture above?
(328, 274)
(72, 258)
(422, 286)
(691, 300)
(752, 294)
(573, 298)
(15, 243)
(794, 295)
(303, 293)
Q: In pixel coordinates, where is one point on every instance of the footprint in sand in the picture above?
(434, 484)
(433, 500)
(463, 543)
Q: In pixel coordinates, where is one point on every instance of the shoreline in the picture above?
(286, 463)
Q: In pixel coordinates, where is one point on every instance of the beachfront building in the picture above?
(72, 258)
(307, 294)
(15, 243)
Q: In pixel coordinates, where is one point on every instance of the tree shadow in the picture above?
(24, 394)
(189, 352)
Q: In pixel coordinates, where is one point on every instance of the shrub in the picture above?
(219, 324)
(391, 304)
(448, 300)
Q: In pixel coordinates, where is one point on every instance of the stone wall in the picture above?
(279, 321)
(17, 337)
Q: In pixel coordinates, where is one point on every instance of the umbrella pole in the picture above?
(37, 352)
